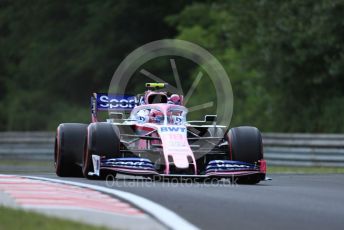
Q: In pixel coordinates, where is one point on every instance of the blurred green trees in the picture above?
(285, 59)
(54, 54)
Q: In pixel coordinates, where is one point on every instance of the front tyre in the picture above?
(69, 146)
(103, 139)
(245, 145)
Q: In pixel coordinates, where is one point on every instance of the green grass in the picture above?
(13, 219)
(305, 170)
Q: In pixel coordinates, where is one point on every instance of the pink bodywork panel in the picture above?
(175, 144)
(173, 138)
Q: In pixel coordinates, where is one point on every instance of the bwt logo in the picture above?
(116, 102)
(172, 129)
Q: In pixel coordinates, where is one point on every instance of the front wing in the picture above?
(144, 167)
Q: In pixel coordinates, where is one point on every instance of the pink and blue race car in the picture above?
(156, 140)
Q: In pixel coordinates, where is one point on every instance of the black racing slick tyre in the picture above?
(103, 139)
(245, 145)
(69, 148)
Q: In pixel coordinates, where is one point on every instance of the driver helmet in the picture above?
(156, 116)
(175, 99)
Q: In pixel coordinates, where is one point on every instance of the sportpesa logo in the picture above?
(120, 102)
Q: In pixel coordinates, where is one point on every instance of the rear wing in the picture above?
(112, 102)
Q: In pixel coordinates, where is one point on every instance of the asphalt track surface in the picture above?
(286, 202)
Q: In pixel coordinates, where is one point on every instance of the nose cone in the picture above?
(180, 161)
(175, 145)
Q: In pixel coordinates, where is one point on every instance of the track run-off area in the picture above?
(288, 201)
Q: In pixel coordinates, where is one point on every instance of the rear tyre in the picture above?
(103, 139)
(69, 148)
(245, 144)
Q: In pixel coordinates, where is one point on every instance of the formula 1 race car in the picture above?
(156, 140)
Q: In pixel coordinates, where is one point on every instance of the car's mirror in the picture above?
(210, 118)
(116, 116)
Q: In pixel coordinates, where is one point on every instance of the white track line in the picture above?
(164, 215)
